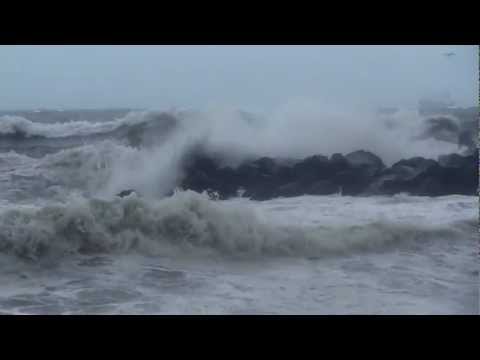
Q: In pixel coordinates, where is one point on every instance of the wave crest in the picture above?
(20, 128)
(188, 222)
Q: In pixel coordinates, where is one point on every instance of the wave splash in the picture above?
(21, 127)
(188, 223)
(145, 151)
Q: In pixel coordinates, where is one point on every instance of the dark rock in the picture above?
(313, 168)
(338, 160)
(358, 173)
(453, 160)
(285, 174)
(291, 190)
(394, 179)
(205, 165)
(352, 181)
(467, 139)
(262, 191)
(441, 128)
(125, 193)
(371, 163)
(459, 175)
(254, 171)
(454, 125)
(323, 187)
(416, 162)
(453, 174)
(265, 165)
(225, 183)
(408, 169)
(200, 172)
(354, 172)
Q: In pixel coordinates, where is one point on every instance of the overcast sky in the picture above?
(248, 77)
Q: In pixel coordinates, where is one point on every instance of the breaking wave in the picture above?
(189, 223)
(23, 128)
(150, 156)
(134, 124)
(295, 130)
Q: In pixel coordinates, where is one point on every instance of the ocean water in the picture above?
(68, 245)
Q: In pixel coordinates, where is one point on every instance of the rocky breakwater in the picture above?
(357, 173)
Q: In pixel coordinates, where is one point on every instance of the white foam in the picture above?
(305, 127)
(190, 222)
(376, 255)
(10, 125)
(297, 129)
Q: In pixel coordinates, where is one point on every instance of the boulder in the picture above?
(357, 173)
(226, 182)
(265, 166)
(200, 173)
(323, 187)
(292, 189)
(262, 191)
(371, 163)
(409, 168)
(396, 178)
(454, 161)
(452, 174)
(352, 182)
(313, 168)
(338, 163)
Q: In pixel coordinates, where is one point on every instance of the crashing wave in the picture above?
(189, 223)
(18, 127)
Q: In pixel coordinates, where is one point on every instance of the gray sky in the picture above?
(247, 77)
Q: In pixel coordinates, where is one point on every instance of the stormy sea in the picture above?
(301, 211)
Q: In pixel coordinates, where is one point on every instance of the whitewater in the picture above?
(69, 245)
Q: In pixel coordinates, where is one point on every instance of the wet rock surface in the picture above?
(357, 173)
